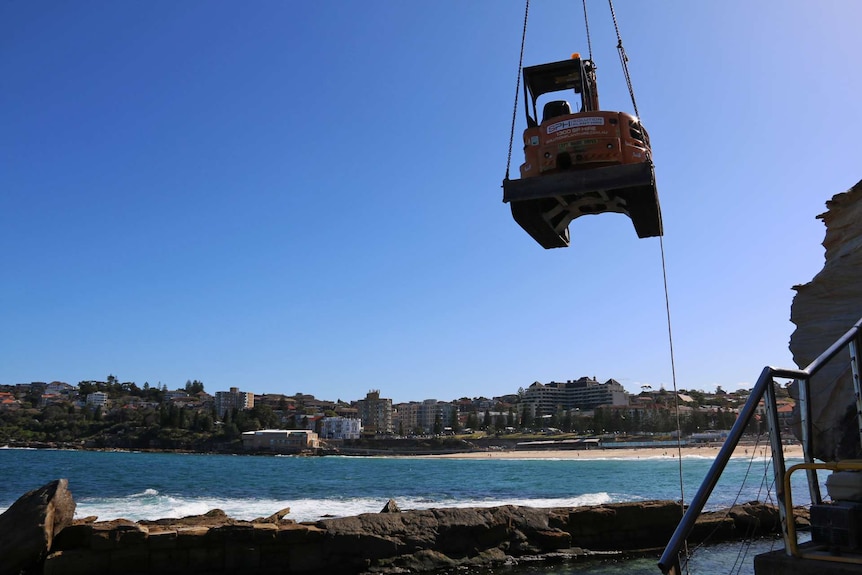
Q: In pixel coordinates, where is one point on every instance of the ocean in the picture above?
(139, 486)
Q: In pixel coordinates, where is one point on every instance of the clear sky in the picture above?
(306, 196)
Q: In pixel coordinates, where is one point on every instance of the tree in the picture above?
(265, 415)
(454, 422)
(193, 387)
(473, 420)
(501, 422)
(526, 417)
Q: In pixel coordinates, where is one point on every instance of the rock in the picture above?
(28, 527)
(452, 539)
(823, 310)
(211, 518)
(390, 507)
(85, 520)
(276, 517)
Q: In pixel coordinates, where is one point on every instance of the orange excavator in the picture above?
(579, 162)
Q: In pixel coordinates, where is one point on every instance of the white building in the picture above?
(97, 399)
(340, 428)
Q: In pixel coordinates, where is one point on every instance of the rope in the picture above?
(673, 372)
(587, 25)
(517, 89)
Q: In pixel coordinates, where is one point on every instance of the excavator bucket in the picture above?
(544, 206)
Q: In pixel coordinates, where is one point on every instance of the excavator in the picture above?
(579, 162)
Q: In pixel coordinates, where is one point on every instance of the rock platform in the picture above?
(388, 542)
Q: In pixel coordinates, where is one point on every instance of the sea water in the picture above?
(139, 486)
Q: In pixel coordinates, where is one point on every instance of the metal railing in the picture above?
(765, 389)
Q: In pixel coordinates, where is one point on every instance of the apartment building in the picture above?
(375, 412)
(233, 399)
(584, 394)
(405, 417)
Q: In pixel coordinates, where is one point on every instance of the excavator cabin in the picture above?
(578, 162)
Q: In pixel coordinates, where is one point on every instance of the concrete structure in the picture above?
(375, 412)
(233, 399)
(340, 428)
(281, 440)
(584, 394)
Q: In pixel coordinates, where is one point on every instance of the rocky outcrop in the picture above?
(406, 541)
(28, 527)
(392, 541)
(823, 310)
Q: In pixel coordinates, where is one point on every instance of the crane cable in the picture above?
(517, 89)
(624, 61)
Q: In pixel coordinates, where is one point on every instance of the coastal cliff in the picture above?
(391, 541)
(823, 310)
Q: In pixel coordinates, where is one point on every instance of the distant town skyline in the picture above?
(363, 394)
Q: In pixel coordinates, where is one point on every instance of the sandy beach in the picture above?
(759, 451)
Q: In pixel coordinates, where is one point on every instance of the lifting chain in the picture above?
(587, 26)
(624, 60)
(517, 89)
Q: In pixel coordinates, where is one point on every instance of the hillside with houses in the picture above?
(122, 415)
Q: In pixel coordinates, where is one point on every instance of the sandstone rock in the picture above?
(390, 507)
(28, 527)
(85, 520)
(381, 543)
(276, 517)
(823, 310)
(214, 517)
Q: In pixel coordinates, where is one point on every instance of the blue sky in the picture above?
(305, 197)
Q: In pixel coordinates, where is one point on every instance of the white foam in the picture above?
(151, 505)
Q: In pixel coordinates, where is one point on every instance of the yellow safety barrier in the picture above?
(815, 552)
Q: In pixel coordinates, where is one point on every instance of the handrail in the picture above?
(670, 558)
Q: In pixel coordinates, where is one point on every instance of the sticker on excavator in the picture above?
(575, 123)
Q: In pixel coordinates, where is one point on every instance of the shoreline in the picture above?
(704, 451)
